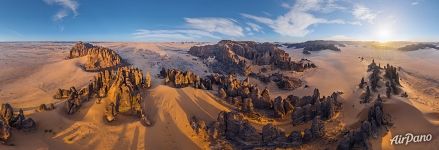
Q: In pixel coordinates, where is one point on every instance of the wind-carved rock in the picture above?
(62, 94)
(233, 128)
(309, 107)
(124, 91)
(181, 79)
(390, 78)
(74, 101)
(200, 127)
(238, 56)
(376, 123)
(265, 102)
(99, 58)
(120, 85)
(282, 107)
(272, 135)
(9, 120)
(48, 107)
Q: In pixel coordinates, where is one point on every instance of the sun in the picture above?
(383, 34)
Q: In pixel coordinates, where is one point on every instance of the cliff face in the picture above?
(237, 56)
(98, 57)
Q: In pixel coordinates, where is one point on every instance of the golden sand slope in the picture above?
(40, 85)
(168, 108)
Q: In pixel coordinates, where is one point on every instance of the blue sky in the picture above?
(209, 20)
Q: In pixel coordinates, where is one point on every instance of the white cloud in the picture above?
(340, 38)
(254, 27)
(67, 5)
(285, 5)
(297, 21)
(363, 13)
(60, 15)
(198, 28)
(178, 34)
(323, 6)
(415, 3)
(216, 25)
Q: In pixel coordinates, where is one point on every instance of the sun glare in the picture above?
(383, 34)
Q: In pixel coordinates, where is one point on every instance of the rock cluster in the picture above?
(48, 107)
(8, 120)
(245, 96)
(180, 79)
(238, 56)
(392, 85)
(390, 77)
(99, 58)
(283, 82)
(288, 83)
(418, 46)
(122, 87)
(375, 77)
(309, 107)
(376, 122)
(317, 45)
(74, 101)
(62, 94)
(233, 127)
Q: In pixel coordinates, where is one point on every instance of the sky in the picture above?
(214, 20)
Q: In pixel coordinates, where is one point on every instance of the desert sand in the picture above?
(32, 72)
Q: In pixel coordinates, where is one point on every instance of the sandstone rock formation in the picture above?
(418, 46)
(237, 56)
(74, 101)
(62, 94)
(122, 88)
(99, 58)
(44, 107)
(233, 128)
(180, 79)
(309, 107)
(390, 78)
(376, 123)
(317, 45)
(10, 120)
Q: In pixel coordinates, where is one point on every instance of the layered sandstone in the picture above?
(98, 58)
(238, 56)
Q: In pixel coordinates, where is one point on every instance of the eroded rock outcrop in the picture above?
(233, 128)
(46, 107)
(180, 79)
(238, 56)
(376, 123)
(390, 78)
(122, 87)
(8, 120)
(99, 58)
(309, 107)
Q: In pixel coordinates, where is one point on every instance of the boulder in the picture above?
(272, 134)
(247, 105)
(5, 132)
(7, 113)
(298, 116)
(221, 93)
(317, 128)
(279, 109)
(295, 138)
(307, 136)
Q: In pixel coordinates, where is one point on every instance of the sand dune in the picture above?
(169, 109)
(39, 86)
